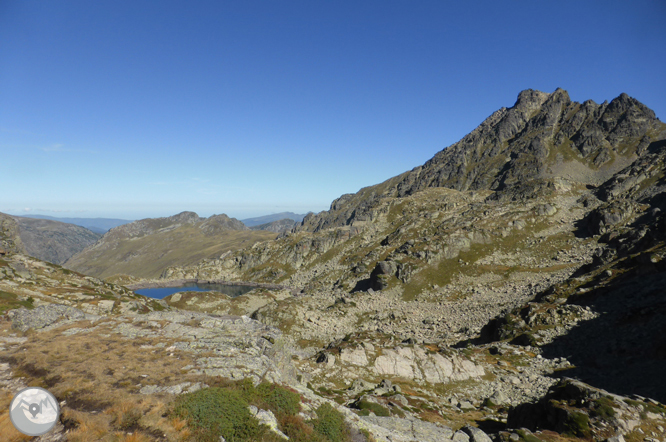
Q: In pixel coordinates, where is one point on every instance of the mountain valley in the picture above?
(510, 289)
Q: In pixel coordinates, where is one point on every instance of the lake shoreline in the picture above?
(182, 282)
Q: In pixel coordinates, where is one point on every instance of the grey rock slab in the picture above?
(411, 430)
(476, 435)
(266, 417)
(460, 436)
(45, 315)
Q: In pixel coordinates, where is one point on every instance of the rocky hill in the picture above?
(146, 247)
(53, 241)
(521, 246)
(10, 238)
(97, 225)
(511, 289)
(542, 136)
(278, 226)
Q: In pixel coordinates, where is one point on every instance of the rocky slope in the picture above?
(454, 302)
(282, 225)
(97, 225)
(542, 136)
(10, 238)
(486, 249)
(144, 248)
(53, 241)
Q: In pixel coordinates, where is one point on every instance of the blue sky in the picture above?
(137, 109)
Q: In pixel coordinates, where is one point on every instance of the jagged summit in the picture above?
(539, 131)
(542, 136)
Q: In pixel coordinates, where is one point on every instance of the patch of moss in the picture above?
(646, 406)
(374, 407)
(156, 306)
(527, 437)
(577, 424)
(10, 301)
(603, 408)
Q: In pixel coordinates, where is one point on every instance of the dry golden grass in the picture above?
(134, 437)
(7, 430)
(98, 375)
(88, 427)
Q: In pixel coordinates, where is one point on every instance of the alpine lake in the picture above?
(228, 289)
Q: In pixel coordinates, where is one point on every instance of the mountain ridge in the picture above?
(265, 219)
(143, 248)
(97, 225)
(478, 299)
(513, 145)
(54, 241)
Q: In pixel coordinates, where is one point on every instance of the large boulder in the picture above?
(381, 274)
(45, 315)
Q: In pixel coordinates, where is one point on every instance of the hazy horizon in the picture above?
(83, 215)
(134, 109)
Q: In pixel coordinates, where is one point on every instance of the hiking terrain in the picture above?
(510, 289)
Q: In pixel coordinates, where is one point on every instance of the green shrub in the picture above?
(578, 424)
(298, 430)
(280, 400)
(214, 412)
(604, 408)
(330, 423)
(374, 407)
(129, 419)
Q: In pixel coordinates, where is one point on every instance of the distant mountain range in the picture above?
(251, 222)
(103, 225)
(58, 239)
(97, 225)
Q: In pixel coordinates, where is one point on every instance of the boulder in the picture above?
(476, 435)
(45, 315)
(382, 273)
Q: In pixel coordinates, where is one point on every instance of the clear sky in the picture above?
(135, 109)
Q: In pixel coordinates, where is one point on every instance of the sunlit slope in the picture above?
(145, 248)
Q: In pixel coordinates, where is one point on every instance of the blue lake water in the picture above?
(162, 292)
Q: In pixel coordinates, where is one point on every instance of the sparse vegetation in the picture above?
(214, 412)
(603, 408)
(577, 424)
(366, 407)
(10, 301)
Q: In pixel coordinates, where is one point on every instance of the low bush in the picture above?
(214, 412)
(280, 400)
(222, 410)
(376, 408)
(603, 408)
(330, 423)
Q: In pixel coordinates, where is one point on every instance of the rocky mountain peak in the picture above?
(530, 99)
(185, 218)
(543, 136)
(219, 223)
